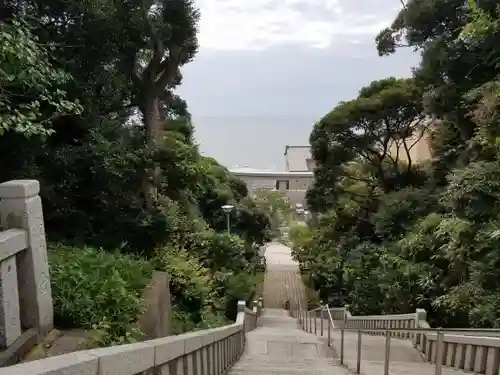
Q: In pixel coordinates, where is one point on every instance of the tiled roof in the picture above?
(296, 158)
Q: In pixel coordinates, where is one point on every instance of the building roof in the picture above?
(250, 172)
(296, 158)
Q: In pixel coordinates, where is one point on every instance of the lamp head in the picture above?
(227, 208)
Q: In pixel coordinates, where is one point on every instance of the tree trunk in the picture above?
(152, 126)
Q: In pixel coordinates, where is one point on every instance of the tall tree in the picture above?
(377, 129)
(170, 41)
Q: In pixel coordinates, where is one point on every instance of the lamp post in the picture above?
(227, 208)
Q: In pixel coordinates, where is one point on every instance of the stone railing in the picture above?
(210, 351)
(342, 318)
(478, 354)
(26, 311)
(252, 316)
(379, 322)
(475, 350)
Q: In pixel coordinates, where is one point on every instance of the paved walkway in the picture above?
(279, 345)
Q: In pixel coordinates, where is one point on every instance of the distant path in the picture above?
(282, 281)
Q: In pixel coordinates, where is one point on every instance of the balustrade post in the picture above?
(420, 315)
(439, 352)
(21, 208)
(315, 320)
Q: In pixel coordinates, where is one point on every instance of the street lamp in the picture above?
(227, 208)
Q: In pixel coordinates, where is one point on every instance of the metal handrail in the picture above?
(305, 315)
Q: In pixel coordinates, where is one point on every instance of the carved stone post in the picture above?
(21, 207)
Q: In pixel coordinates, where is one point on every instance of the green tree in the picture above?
(386, 116)
(31, 93)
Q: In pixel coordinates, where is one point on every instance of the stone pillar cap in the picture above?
(19, 189)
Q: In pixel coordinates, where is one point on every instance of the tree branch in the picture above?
(154, 66)
(136, 78)
(169, 68)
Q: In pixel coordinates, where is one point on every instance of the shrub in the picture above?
(221, 251)
(195, 302)
(96, 289)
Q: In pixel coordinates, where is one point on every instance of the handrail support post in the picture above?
(358, 362)
(322, 317)
(387, 351)
(342, 346)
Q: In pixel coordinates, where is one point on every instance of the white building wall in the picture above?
(297, 184)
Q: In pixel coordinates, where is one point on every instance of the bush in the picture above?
(234, 287)
(221, 251)
(300, 236)
(92, 288)
(195, 303)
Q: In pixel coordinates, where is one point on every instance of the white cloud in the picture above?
(258, 24)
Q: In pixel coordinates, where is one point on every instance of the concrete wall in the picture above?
(419, 153)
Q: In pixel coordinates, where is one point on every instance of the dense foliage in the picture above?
(391, 232)
(88, 107)
(98, 289)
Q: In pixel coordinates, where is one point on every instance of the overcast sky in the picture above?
(268, 69)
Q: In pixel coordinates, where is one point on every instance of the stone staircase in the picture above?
(280, 346)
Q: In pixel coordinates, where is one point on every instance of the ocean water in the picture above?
(253, 141)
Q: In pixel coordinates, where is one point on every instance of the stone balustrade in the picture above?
(477, 354)
(337, 313)
(473, 350)
(26, 311)
(251, 317)
(210, 351)
(383, 322)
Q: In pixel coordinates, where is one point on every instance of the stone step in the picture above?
(270, 363)
(290, 371)
(401, 368)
